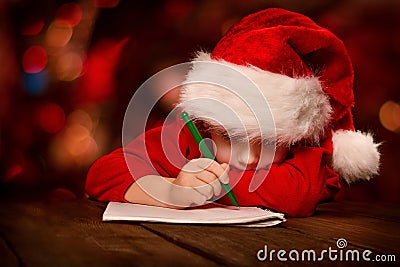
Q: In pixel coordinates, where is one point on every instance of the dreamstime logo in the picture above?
(239, 87)
(341, 243)
(332, 254)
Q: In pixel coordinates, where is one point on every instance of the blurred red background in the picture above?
(69, 69)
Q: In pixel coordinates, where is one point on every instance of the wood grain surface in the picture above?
(62, 230)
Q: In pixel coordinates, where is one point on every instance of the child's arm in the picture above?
(196, 183)
(150, 170)
(112, 175)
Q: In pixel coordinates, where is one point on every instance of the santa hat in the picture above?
(306, 76)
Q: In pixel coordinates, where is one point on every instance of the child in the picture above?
(282, 53)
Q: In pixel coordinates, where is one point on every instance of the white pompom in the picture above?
(355, 155)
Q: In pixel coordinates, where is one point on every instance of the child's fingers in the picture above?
(197, 198)
(197, 165)
(210, 178)
(214, 167)
(199, 182)
(206, 190)
(186, 196)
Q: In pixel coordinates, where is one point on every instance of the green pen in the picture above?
(206, 152)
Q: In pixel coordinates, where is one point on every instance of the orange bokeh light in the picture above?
(389, 116)
(34, 59)
(75, 145)
(57, 36)
(80, 117)
(69, 66)
(68, 15)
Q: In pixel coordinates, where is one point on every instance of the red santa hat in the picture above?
(306, 77)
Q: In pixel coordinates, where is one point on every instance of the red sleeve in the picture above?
(294, 187)
(160, 151)
(109, 177)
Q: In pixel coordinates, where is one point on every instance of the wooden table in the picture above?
(61, 230)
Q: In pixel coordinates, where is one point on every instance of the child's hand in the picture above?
(198, 182)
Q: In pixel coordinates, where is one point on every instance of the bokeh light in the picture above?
(78, 139)
(68, 15)
(389, 116)
(75, 145)
(98, 81)
(16, 166)
(69, 66)
(34, 59)
(81, 117)
(13, 171)
(33, 28)
(105, 3)
(35, 83)
(58, 36)
(50, 118)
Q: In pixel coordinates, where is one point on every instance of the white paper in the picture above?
(208, 214)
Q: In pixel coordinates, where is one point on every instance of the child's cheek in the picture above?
(221, 149)
(223, 154)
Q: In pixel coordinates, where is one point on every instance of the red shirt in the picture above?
(294, 186)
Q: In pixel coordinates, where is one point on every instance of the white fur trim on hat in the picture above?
(355, 155)
(299, 106)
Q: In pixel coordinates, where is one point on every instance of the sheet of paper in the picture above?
(208, 214)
